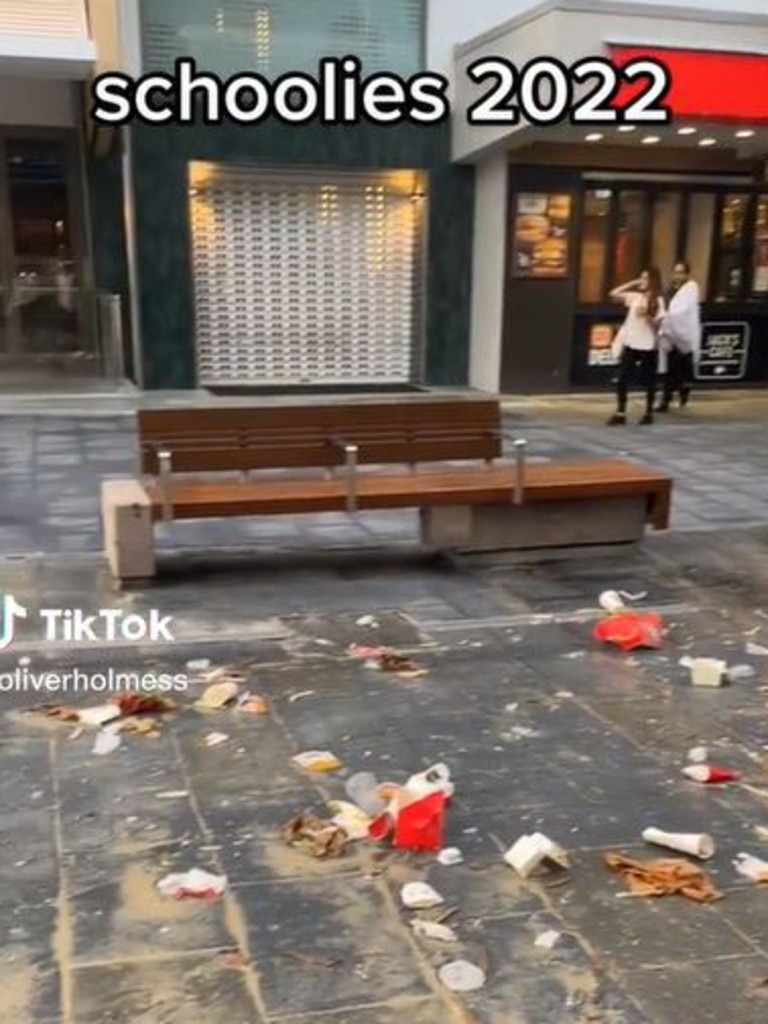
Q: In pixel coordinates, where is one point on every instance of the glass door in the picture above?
(43, 321)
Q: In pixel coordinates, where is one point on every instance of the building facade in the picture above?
(285, 256)
(273, 256)
(48, 305)
(566, 212)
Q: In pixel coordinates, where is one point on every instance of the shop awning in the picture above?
(45, 38)
(717, 61)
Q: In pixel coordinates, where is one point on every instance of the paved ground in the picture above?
(590, 755)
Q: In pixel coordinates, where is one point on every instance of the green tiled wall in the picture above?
(161, 157)
(105, 203)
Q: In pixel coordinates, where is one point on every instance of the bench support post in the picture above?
(165, 464)
(129, 545)
(519, 497)
(350, 452)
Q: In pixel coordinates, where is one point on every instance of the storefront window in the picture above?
(760, 252)
(629, 246)
(594, 244)
(666, 224)
(701, 225)
(728, 275)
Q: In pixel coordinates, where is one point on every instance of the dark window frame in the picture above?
(652, 189)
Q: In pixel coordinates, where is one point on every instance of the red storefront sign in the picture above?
(715, 85)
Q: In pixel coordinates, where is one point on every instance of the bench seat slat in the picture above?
(494, 485)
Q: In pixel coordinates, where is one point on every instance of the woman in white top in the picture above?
(680, 336)
(639, 341)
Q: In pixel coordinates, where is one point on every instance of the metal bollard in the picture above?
(520, 447)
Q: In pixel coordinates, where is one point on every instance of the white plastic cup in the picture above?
(695, 844)
(708, 671)
(361, 790)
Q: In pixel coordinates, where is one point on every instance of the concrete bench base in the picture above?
(129, 543)
(535, 525)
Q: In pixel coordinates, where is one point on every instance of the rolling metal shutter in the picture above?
(304, 279)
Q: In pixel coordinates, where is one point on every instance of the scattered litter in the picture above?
(107, 741)
(420, 896)
(200, 665)
(451, 856)
(709, 774)
(139, 726)
(367, 620)
(696, 844)
(752, 868)
(511, 708)
(739, 673)
(431, 930)
(756, 650)
(137, 704)
(313, 835)
(533, 851)
(461, 976)
(436, 779)
(215, 739)
(698, 755)
(564, 694)
(301, 696)
(361, 652)
(663, 878)
(706, 671)
(761, 832)
(218, 696)
(95, 716)
(224, 675)
(317, 761)
(350, 819)
(386, 660)
(194, 884)
(611, 601)
(630, 631)
(362, 789)
(548, 940)
(522, 732)
(417, 825)
(172, 794)
(252, 704)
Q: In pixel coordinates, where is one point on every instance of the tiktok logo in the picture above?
(10, 610)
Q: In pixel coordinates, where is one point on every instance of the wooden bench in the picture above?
(436, 453)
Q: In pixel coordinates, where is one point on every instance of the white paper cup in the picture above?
(695, 844)
(708, 671)
(611, 601)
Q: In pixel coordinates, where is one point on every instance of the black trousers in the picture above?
(641, 367)
(679, 376)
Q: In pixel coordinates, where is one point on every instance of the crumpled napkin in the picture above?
(663, 878)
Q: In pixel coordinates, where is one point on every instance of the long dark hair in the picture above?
(655, 287)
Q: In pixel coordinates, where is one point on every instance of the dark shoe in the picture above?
(617, 420)
(663, 407)
(684, 396)
(646, 421)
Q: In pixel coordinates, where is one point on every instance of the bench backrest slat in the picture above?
(241, 438)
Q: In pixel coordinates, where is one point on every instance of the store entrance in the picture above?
(719, 229)
(47, 317)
